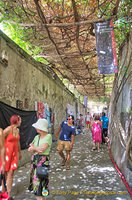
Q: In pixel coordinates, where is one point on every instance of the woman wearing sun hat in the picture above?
(40, 147)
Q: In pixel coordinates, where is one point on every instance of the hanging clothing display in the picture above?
(27, 132)
(41, 110)
(48, 117)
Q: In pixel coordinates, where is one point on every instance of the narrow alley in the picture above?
(61, 59)
(92, 175)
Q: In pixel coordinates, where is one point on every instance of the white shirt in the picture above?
(88, 118)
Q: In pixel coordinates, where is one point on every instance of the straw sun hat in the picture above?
(41, 124)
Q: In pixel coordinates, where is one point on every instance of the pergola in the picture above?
(64, 32)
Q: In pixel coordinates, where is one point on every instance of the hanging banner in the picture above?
(105, 46)
(85, 101)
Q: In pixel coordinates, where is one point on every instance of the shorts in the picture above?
(87, 122)
(105, 132)
(64, 145)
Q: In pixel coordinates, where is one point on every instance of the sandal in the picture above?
(63, 162)
(68, 168)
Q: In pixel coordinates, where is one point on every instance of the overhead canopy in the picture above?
(64, 32)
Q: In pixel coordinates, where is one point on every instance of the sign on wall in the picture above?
(105, 45)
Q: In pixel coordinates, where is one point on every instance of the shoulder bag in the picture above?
(42, 171)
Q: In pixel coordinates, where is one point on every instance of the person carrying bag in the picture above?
(42, 171)
(40, 160)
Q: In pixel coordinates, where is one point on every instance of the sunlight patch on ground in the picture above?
(102, 169)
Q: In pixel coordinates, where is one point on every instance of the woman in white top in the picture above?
(40, 147)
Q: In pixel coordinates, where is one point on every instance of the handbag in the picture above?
(3, 195)
(42, 171)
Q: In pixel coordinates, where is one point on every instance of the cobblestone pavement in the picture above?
(91, 176)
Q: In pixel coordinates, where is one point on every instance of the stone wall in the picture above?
(24, 78)
(120, 111)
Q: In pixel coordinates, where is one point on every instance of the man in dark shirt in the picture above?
(66, 139)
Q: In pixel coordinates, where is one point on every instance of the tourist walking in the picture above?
(105, 121)
(66, 139)
(2, 152)
(81, 123)
(96, 133)
(12, 148)
(40, 147)
(88, 119)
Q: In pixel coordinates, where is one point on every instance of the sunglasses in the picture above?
(70, 119)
